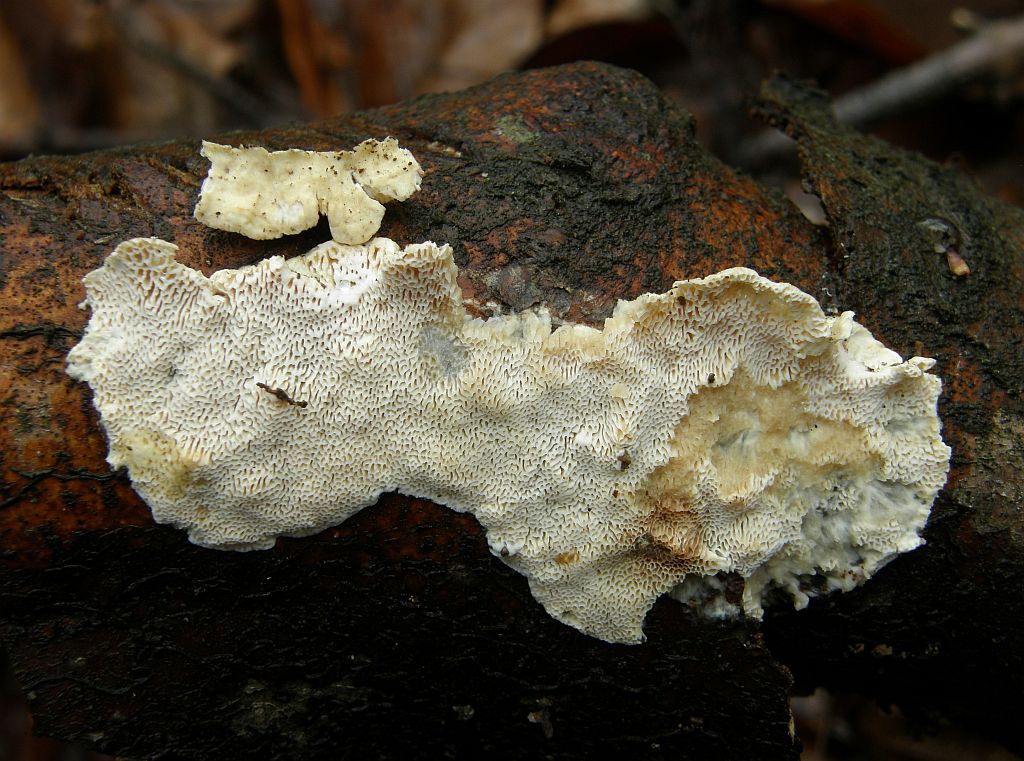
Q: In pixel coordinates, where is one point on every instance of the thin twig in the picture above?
(995, 51)
(281, 394)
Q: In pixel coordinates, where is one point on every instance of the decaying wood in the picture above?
(941, 623)
(397, 633)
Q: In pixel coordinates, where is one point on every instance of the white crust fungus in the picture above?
(727, 425)
(264, 194)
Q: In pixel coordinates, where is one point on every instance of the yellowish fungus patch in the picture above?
(264, 194)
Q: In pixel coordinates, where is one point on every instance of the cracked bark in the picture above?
(397, 632)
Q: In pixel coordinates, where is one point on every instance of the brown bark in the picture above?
(397, 632)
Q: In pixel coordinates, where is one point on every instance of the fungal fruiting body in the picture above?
(265, 194)
(727, 425)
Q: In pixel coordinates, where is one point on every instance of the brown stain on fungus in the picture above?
(568, 557)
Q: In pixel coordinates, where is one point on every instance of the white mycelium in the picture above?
(725, 426)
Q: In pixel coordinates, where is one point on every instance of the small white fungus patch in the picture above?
(725, 426)
(264, 194)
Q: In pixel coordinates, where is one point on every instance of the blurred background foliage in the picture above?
(86, 74)
(78, 75)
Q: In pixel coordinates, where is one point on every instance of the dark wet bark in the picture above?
(397, 633)
(939, 631)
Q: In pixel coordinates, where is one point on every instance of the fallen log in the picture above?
(397, 631)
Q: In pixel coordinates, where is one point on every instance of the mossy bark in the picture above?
(397, 632)
(943, 622)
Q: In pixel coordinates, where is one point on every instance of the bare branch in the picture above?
(994, 52)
